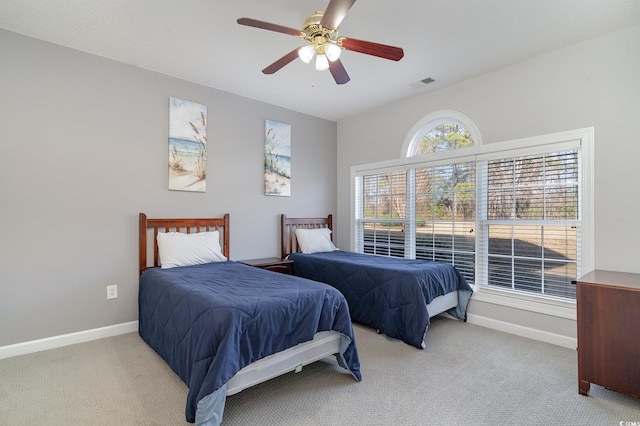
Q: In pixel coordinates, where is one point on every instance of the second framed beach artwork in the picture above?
(277, 158)
(187, 146)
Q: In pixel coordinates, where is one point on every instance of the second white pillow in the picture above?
(315, 240)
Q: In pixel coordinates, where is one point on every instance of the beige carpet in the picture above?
(468, 375)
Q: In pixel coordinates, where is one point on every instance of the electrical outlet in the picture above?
(112, 291)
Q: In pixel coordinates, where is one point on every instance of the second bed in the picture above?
(396, 296)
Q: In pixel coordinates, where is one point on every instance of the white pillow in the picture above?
(315, 240)
(180, 249)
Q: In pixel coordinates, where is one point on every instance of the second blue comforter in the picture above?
(387, 293)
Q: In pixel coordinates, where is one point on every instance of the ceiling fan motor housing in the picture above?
(315, 33)
(311, 24)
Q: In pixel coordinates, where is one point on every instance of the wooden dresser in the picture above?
(608, 316)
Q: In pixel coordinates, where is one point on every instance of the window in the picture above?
(383, 214)
(509, 216)
(441, 131)
(531, 223)
(445, 215)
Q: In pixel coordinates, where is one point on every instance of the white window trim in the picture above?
(557, 308)
(586, 139)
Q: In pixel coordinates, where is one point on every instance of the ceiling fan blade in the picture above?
(268, 26)
(335, 13)
(338, 72)
(375, 49)
(286, 59)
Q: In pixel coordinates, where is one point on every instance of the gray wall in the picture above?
(595, 83)
(84, 149)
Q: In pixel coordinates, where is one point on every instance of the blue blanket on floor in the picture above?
(387, 293)
(209, 321)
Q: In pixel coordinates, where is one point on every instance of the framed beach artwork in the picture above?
(277, 158)
(187, 146)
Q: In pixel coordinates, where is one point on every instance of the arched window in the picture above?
(441, 131)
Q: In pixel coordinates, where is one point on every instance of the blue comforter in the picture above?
(209, 321)
(387, 293)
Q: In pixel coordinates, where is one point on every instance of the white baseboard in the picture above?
(129, 327)
(67, 339)
(519, 330)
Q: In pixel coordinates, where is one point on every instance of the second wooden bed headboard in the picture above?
(288, 226)
(186, 225)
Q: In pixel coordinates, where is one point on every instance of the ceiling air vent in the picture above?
(422, 83)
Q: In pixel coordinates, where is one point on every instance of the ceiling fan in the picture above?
(320, 30)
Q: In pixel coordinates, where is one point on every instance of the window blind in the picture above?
(531, 224)
(445, 205)
(381, 213)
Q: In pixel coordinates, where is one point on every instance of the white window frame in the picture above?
(584, 138)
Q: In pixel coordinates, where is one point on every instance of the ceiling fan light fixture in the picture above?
(322, 63)
(306, 53)
(332, 51)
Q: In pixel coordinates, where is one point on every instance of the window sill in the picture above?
(556, 308)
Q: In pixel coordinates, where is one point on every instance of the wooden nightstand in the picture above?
(274, 264)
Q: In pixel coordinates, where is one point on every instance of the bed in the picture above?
(396, 296)
(223, 326)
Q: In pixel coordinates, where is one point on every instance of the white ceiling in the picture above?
(200, 41)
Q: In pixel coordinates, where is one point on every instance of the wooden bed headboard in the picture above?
(186, 225)
(288, 228)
